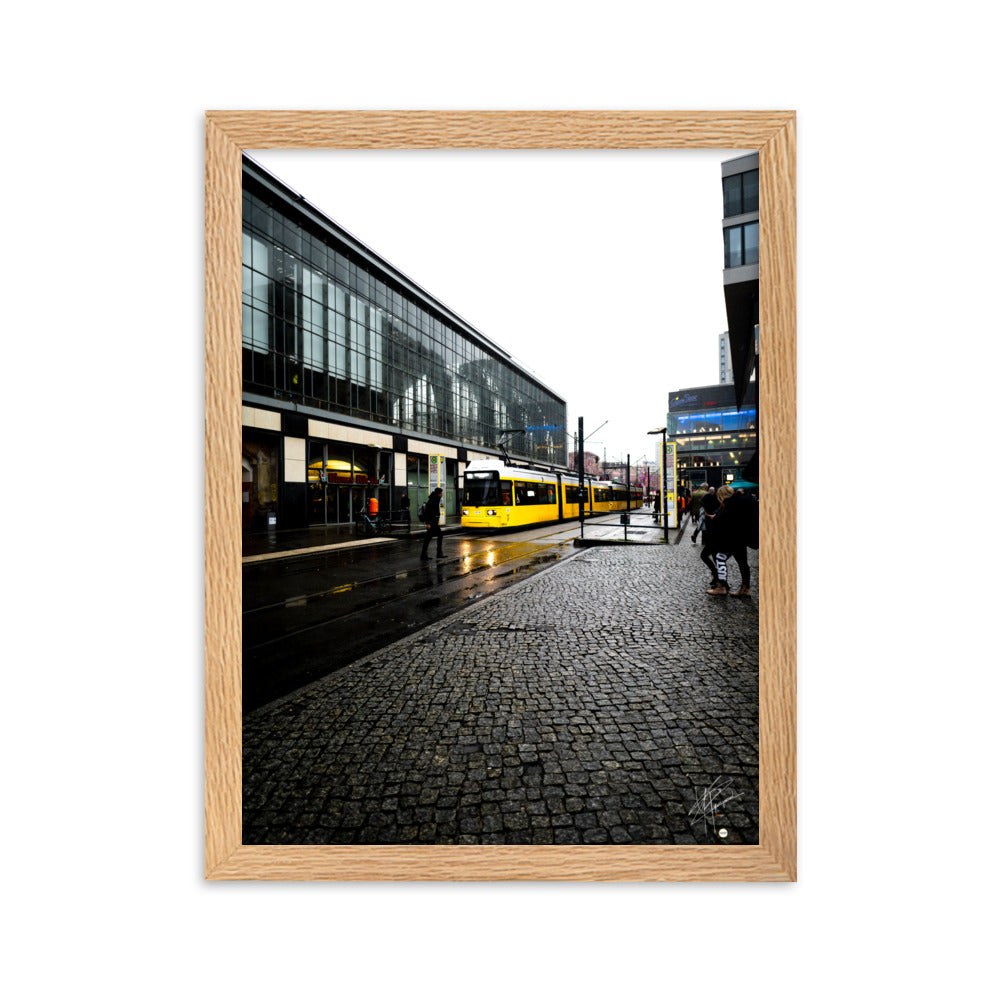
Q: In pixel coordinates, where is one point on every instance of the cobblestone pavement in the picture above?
(607, 700)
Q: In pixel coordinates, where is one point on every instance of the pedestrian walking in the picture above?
(696, 511)
(430, 515)
(729, 537)
(709, 509)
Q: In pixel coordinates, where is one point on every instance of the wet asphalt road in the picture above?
(307, 616)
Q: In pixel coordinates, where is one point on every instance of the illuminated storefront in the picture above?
(356, 381)
(714, 439)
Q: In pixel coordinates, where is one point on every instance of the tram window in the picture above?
(480, 488)
(505, 492)
(532, 494)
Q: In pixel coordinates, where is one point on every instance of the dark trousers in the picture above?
(708, 558)
(432, 531)
(740, 555)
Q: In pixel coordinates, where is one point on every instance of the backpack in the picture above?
(422, 512)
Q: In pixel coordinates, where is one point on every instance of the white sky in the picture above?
(599, 271)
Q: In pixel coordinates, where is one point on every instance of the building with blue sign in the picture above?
(358, 384)
(715, 438)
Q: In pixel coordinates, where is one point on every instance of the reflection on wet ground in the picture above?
(306, 616)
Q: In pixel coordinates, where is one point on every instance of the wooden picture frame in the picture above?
(228, 133)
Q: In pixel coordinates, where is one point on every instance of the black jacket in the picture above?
(432, 511)
(709, 505)
(734, 527)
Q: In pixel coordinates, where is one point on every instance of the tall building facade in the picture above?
(358, 383)
(741, 270)
(715, 427)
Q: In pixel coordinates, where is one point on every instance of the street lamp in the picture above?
(663, 494)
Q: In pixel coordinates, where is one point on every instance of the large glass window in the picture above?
(749, 191)
(732, 196)
(733, 237)
(751, 243)
(739, 193)
(481, 489)
(742, 244)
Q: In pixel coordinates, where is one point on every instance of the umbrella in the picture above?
(742, 484)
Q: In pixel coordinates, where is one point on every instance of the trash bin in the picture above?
(373, 506)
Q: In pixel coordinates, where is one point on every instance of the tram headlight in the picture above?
(491, 513)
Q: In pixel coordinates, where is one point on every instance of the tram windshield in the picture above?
(481, 488)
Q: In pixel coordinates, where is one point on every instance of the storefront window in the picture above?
(260, 479)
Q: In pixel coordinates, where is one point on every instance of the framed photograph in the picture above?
(283, 411)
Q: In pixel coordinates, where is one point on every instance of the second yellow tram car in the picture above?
(497, 495)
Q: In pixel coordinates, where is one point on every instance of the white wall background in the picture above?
(102, 164)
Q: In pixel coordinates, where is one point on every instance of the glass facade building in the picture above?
(363, 375)
(714, 438)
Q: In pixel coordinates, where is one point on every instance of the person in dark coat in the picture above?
(432, 515)
(730, 534)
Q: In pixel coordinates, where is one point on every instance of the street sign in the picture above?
(436, 477)
(668, 481)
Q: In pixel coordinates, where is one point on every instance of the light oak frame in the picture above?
(227, 134)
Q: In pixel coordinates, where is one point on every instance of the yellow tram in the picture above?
(498, 495)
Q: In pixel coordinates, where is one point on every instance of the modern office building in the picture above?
(741, 270)
(715, 439)
(358, 383)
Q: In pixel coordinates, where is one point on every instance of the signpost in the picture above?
(669, 513)
(668, 479)
(436, 478)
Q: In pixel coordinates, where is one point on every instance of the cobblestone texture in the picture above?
(596, 703)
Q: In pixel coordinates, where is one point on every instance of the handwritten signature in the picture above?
(709, 804)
